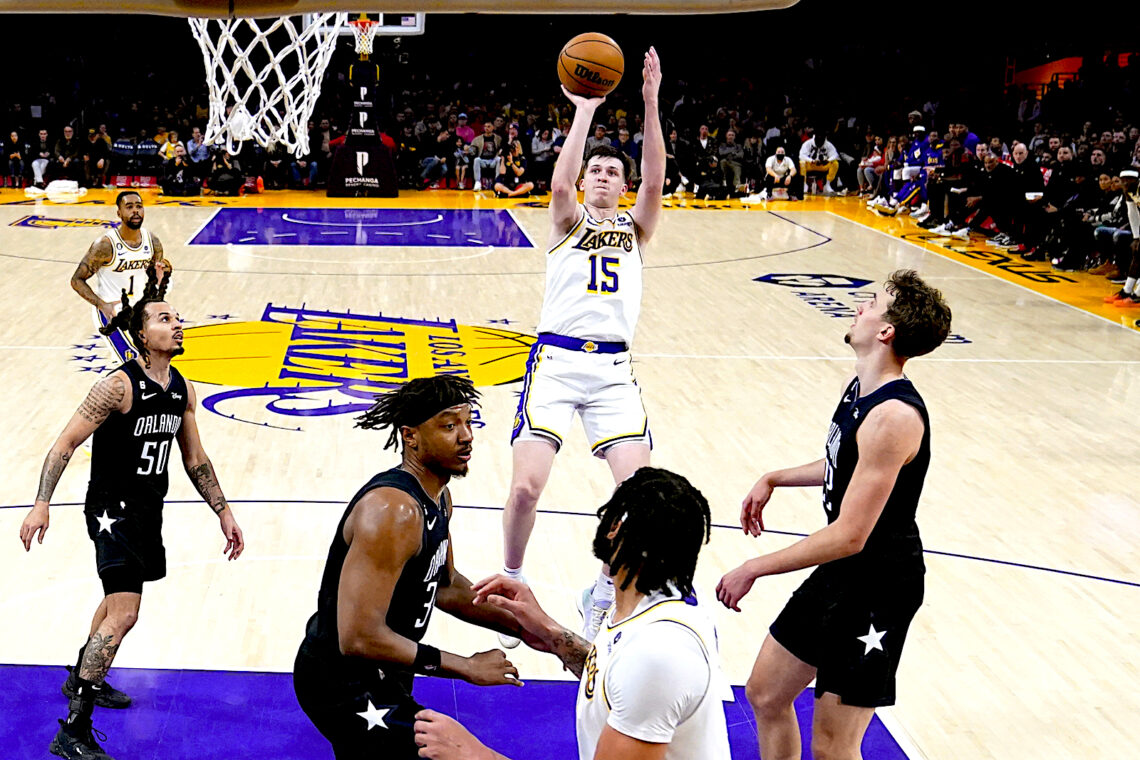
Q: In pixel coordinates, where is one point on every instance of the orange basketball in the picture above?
(591, 65)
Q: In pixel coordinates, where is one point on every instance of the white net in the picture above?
(264, 82)
(363, 32)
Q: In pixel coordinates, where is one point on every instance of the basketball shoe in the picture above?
(592, 613)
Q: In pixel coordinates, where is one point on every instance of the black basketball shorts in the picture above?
(365, 716)
(853, 634)
(128, 543)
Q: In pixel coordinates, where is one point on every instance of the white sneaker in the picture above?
(592, 614)
(827, 190)
(506, 641)
(962, 233)
(942, 229)
(755, 198)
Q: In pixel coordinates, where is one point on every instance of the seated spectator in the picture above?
(123, 154)
(438, 148)
(819, 157)
(96, 160)
(871, 160)
(41, 153)
(179, 178)
(632, 153)
(224, 178)
(147, 161)
(753, 162)
(1111, 235)
(67, 159)
(947, 185)
(408, 157)
(598, 138)
(705, 159)
(460, 161)
(511, 180)
(485, 151)
(1128, 243)
(15, 158)
(463, 129)
(676, 157)
(542, 156)
(303, 170)
(992, 197)
(730, 161)
(198, 153)
(166, 149)
(275, 173)
(780, 172)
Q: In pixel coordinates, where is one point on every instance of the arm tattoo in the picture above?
(572, 649)
(49, 476)
(206, 482)
(97, 255)
(98, 656)
(103, 399)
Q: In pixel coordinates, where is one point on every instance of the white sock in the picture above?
(1129, 284)
(604, 591)
(514, 573)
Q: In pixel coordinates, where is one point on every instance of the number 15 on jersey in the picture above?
(603, 274)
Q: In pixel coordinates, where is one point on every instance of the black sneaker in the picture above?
(83, 747)
(108, 695)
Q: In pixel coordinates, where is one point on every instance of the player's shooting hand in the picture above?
(235, 542)
(516, 598)
(752, 508)
(441, 737)
(734, 586)
(36, 521)
(650, 75)
(491, 668)
(580, 101)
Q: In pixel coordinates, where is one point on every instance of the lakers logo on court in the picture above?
(301, 362)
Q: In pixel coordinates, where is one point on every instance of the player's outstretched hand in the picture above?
(581, 101)
(516, 598)
(752, 508)
(235, 541)
(35, 522)
(735, 586)
(441, 737)
(650, 75)
(491, 668)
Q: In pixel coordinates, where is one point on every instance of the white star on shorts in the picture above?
(873, 640)
(375, 716)
(105, 522)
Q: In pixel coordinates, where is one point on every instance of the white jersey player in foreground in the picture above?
(651, 686)
(581, 361)
(118, 260)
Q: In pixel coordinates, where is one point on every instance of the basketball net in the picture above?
(363, 32)
(264, 82)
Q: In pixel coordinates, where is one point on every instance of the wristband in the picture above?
(427, 660)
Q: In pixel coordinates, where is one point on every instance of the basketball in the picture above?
(591, 65)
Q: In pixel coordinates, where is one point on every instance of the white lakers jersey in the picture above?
(656, 677)
(593, 280)
(126, 270)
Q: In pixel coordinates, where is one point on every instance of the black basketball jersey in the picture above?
(894, 542)
(130, 452)
(413, 599)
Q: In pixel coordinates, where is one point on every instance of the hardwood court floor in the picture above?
(1025, 646)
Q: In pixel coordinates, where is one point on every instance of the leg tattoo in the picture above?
(98, 657)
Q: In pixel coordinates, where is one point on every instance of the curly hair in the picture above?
(132, 318)
(662, 521)
(919, 313)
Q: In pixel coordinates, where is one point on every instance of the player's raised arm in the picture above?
(161, 264)
(201, 473)
(98, 255)
(111, 394)
(647, 210)
(564, 179)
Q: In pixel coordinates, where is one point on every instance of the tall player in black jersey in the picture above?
(389, 565)
(135, 413)
(846, 624)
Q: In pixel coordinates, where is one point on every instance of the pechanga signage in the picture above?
(311, 363)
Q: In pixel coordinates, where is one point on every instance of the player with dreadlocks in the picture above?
(651, 686)
(389, 565)
(134, 413)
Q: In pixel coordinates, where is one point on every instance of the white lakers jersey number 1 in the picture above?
(126, 270)
(593, 280)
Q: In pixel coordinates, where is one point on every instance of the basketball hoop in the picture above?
(264, 82)
(363, 32)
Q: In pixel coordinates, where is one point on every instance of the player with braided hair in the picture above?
(651, 686)
(134, 413)
(130, 319)
(390, 564)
